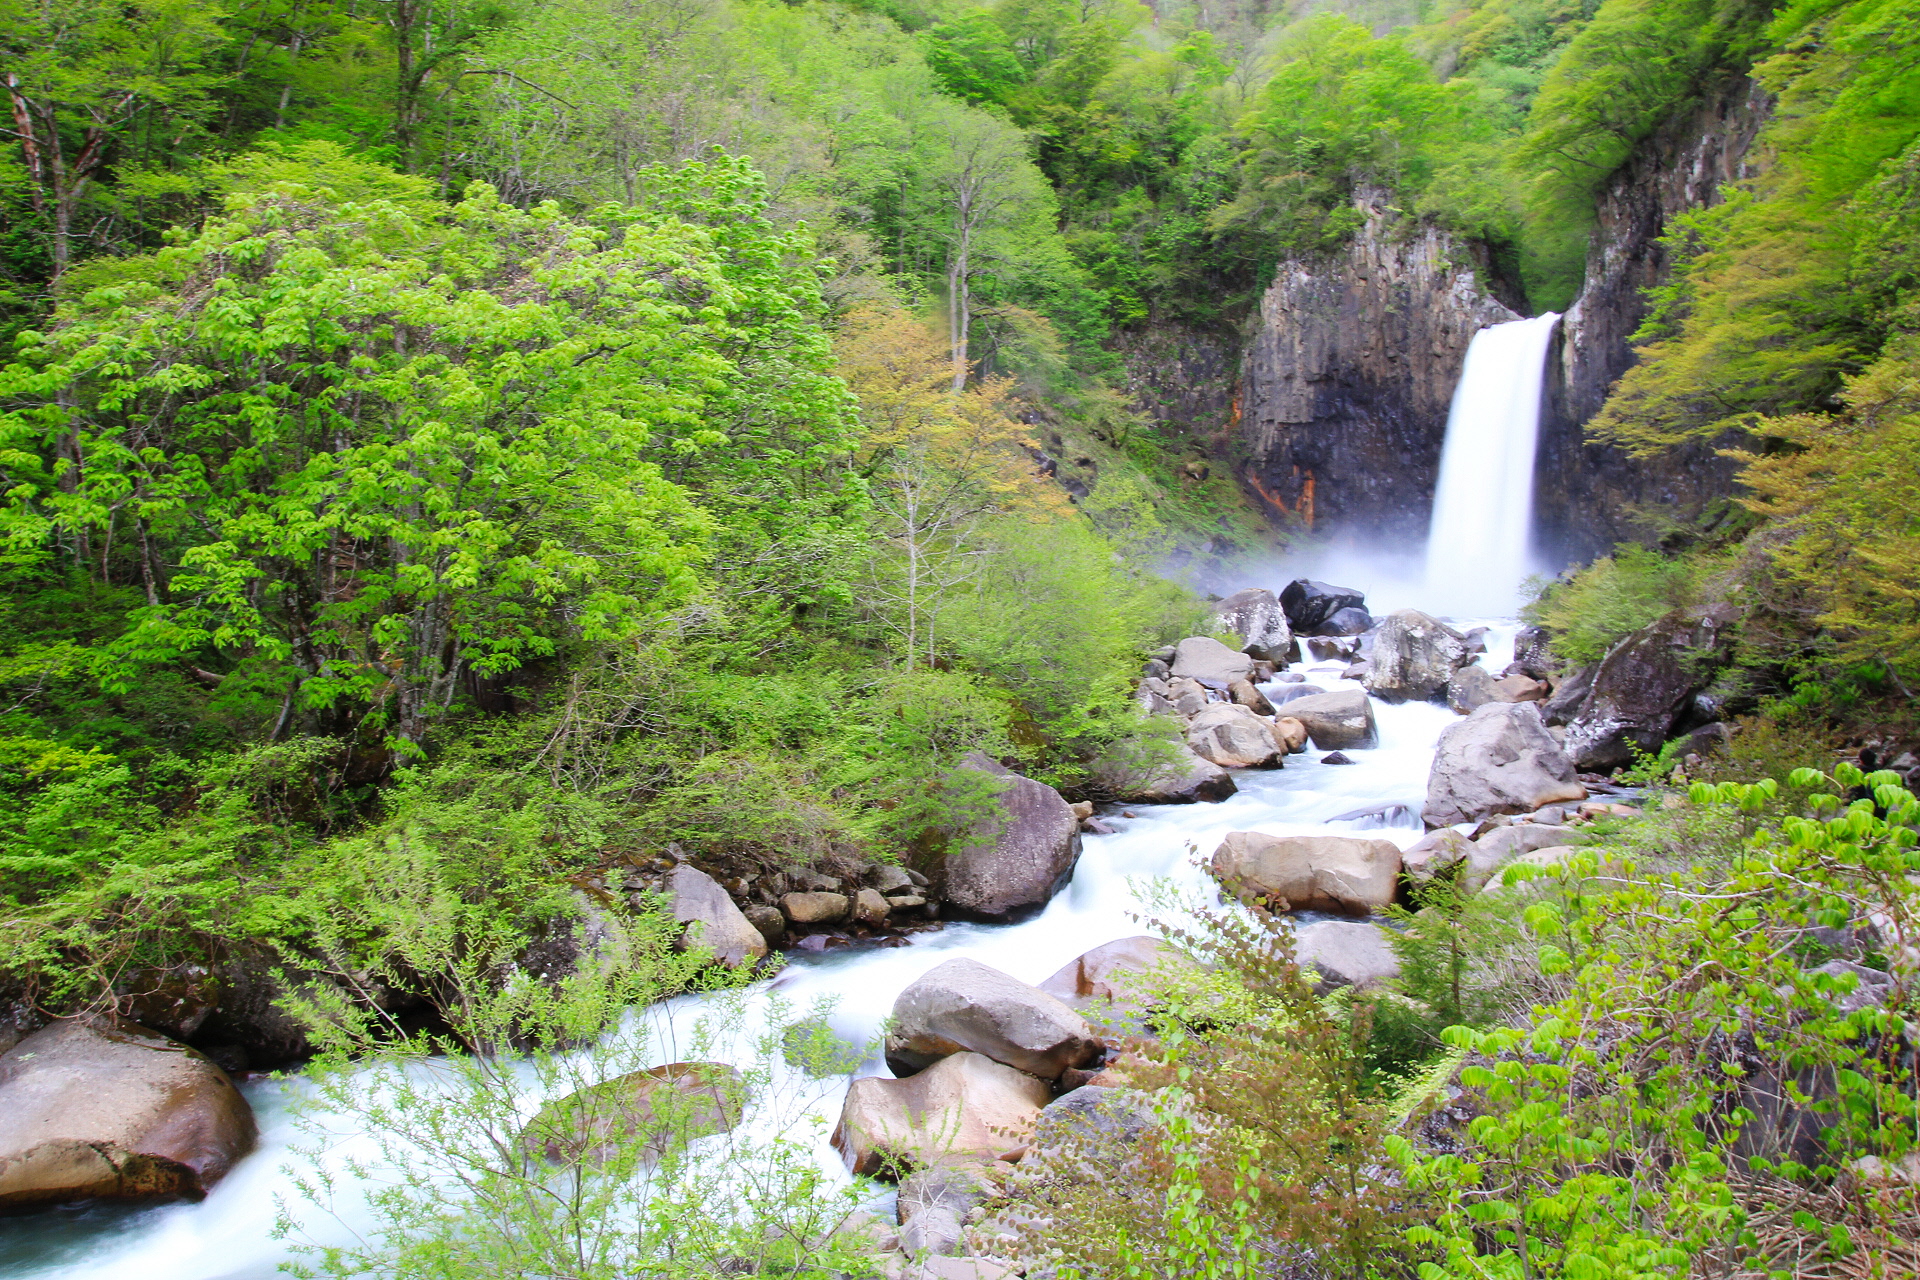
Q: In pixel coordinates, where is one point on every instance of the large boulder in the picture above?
(107, 1109)
(964, 1004)
(1340, 953)
(1234, 737)
(1256, 617)
(1159, 773)
(1500, 759)
(964, 1107)
(1564, 703)
(1308, 604)
(1015, 860)
(1640, 691)
(1337, 721)
(653, 1110)
(712, 919)
(1346, 622)
(1533, 653)
(1204, 658)
(1414, 658)
(1312, 873)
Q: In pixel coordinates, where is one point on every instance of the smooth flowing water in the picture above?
(1479, 545)
(229, 1236)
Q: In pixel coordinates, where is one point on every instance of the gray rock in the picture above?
(1471, 686)
(1533, 653)
(1233, 737)
(108, 1109)
(659, 1108)
(870, 907)
(934, 1203)
(1129, 972)
(1500, 759)
(1564, 702)
(1098, 1113)
(1502, 845)
(1256, 617)
(1338, 721)
(1414, 658)
(1640, 690)
(1145, 773)
(1345, 954)
(1017, 859)
(1204, 658)
(1346, 622)
(1294, 691)
(711, 918)
(966, 1005)
(1434, 854)
(890, 879)
(1188, 696)
(1312, 873)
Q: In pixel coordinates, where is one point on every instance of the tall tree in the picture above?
(93, 84)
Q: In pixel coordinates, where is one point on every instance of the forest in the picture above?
(454, 450)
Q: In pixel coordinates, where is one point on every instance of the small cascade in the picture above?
(1480, 543)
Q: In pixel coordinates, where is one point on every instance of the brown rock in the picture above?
(1434, 853)
(108, 1109)
(1520, 688)
(870, 907)
(1311, 873)
(712, 919)
(1118, 971)
(965, 1106)
(1244, 693)
(815, 908)
(1233, 737)
(1291, 733)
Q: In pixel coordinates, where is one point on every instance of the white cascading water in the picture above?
(1478, 547)
(229, 1236)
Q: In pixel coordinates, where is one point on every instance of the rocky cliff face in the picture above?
(1586, 495)
(1349, 371)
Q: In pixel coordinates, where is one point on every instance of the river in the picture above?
(230, 1236)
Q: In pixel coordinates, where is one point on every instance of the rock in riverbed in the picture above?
(107, 1109)
(1312, 873)
(1017, 859)
(1500, 759)
(966, 1005)
(964, 1107)
(1338, 721)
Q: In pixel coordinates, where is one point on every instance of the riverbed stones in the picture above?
(1350, 621)
(1204, 658)
(1341, 953)
(1500, 759)
(966, 1106)
(870, 907)
(650, 1112)
(1520, 688)
(815, 907)
(966, 1005)
(1308, 603)
(1414, 658)
(1157, 773)
(712, 920)
(1014, 860)
(1337, 721)
(1340, 874)
(1256, 617)
(1291, 732)
(109, 1109)
(1233, 737)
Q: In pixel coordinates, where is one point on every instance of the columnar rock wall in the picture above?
(1586, 494)
(1350, 370)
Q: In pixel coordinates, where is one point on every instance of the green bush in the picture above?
(1613, 596)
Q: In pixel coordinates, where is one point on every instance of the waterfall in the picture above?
(1479, 545)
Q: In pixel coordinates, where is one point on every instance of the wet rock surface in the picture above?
(108, 1109)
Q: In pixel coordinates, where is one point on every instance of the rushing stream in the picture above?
(229, 1236)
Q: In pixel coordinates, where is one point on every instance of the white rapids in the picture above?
(229, 1235)
(1479, 547)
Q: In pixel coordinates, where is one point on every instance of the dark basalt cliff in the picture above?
(1586, 495)
(1333, 407)
(1349, 371)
